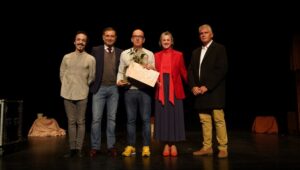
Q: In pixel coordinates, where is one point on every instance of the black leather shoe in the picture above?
(80, 153)
(70, 154)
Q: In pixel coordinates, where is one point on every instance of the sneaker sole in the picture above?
(145, 155)
(131, 154)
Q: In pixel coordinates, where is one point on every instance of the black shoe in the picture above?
(70, 154)
(80, 153)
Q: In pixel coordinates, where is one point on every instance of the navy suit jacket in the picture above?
(98, 53)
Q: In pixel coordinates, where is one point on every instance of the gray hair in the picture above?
(205, 26)
(166, 33)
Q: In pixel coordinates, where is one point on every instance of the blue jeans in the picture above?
(134, 100)
(110, 96)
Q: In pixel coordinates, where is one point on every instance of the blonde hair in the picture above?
(166, 33)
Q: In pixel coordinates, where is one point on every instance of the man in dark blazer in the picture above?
(105, 91)
(206, 77)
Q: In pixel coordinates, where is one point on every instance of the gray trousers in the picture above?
(75, 110)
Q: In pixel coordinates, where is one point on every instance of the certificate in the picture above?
(138, 72)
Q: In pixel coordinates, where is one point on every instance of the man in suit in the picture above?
(206, 77)
(105, 91)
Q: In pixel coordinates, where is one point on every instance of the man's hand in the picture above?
(122, 83)
(199, 90)
(196, 90)
(148, 66)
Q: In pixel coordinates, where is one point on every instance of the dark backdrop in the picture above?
(258, 43)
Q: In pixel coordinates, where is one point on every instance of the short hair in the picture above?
(205, 26)
(84, 33)
(166, 33)
(108, 29)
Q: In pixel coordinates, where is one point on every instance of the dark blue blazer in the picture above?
(98, 53)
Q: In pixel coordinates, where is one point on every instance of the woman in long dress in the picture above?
(169, 112)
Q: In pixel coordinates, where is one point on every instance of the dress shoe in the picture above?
(173, 150)
(70, 154)
(203, 151)
(223, 154)
(166, 151)
(112, 152)
(93, 153)
(80, 153)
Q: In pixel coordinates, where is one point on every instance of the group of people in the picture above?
(103, 72)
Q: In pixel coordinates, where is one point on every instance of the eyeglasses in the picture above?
(137, 36)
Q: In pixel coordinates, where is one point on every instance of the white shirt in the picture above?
(203, 52)
(126, 59)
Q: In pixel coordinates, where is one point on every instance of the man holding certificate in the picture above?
(137, 97)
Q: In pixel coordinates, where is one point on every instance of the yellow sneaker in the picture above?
(129, 151)
(146, 151)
